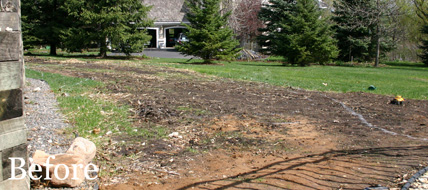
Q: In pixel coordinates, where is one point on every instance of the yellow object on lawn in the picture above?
(399, 98)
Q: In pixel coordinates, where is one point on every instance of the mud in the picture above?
(247, 135)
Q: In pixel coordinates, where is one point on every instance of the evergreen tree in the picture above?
(422, 12)
(120, 23)
(355, 38)
(365, 29)
(424, 46)
(295, 31)
(209, 36)
(43, 22)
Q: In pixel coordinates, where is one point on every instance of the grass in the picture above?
(192, 110)
(395, 78)
(407, 79)
(88, 113)
(192, 150)
(155, 132)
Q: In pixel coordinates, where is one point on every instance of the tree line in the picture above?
(78, 24)
(301, 31)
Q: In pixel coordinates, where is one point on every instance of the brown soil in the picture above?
(246, 135)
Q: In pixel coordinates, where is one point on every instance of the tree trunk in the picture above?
(350, 52)
(53, 49)
(377, 36)
(377, 50)
(103, 48)
(53, 44)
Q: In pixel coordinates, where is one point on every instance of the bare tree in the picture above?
(248, 21)
(229, 6)
(244, 19)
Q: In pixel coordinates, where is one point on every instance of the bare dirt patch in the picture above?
(238, 135)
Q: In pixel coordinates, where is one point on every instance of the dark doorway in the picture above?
(172, 35)
(152, 43)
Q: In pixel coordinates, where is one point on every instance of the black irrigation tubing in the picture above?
(414, 178)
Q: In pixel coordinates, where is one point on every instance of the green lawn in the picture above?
(87, 112)
(84, 112)
(407, 79)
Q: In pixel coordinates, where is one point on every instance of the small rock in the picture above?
(109, 133)
(83, 147)
(81, 152)
(38, 89)
(68, 160)
(175, 135)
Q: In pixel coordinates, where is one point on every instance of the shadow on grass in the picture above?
(196, 61)
(357, 168)
(421, 69)
(404, 64)
(200, 63)
(397, 65)
(268, 65)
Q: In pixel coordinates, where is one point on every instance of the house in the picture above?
(168, 16)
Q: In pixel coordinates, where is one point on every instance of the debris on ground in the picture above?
(241, 134)
(246, 54)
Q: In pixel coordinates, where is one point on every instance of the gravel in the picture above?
(46, 124)
(43, 119)
(419, 181)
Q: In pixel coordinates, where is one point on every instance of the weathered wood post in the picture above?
(13, 134)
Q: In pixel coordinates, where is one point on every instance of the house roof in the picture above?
(166, 10)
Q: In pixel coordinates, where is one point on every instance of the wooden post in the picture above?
(13, 133)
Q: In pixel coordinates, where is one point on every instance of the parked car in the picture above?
(182, 38)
